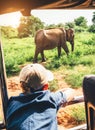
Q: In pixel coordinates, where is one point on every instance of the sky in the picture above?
(63, 16)
(48, 16)
(10, 19)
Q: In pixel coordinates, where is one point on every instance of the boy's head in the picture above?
(34, 77)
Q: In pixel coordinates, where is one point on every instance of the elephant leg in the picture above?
(59, 51)
(64, 46)
(43, 57)
(35, 56)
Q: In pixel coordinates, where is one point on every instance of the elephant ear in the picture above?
(69, 34)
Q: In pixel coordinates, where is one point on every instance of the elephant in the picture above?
(51, 38)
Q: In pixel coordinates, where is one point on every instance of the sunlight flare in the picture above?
(10, 19)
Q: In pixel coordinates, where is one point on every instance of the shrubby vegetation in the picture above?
(79, 63)
(78, 113)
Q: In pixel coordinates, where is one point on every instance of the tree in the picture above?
(29, 25)
(69, 25)
(50, 26)
(60, 25)
(81, 21)
(23, 30)
(92, 28)
(93, 19)
(8, 31)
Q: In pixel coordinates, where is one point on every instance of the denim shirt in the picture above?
(35, 111)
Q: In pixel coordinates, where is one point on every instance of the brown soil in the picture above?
(64, 119)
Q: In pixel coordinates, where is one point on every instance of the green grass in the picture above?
(78, 113)
(16, 53)
(53, 85)
(21, 51)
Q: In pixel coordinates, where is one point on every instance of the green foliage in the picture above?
(75, 79)
(78, 113)
(17, 52)
(80, 29)
(90, 42)
(9, 32)
(92, 28)
(81, 21)
(54, 26)
(54, 64)
(93, 19)
(74, 75)
(29, 25)
(77, 64)
(71, 60)
(53, 85)
(70, 25)
(86, 61)
(60, 25)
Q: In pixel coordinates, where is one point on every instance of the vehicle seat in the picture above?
(89, 99)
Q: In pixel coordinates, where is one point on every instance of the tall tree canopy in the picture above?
(81, 21)
(93, 19)
(29, 25)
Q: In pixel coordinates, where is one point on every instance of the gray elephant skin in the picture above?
(51, 38)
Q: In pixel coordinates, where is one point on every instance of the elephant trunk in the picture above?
(72, 46)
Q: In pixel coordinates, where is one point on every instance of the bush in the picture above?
(78, 113)
(17, 52)
(9, 32)
(90, 41)
(74, 79)
(80, 29)
(92, 28)
(11, 67)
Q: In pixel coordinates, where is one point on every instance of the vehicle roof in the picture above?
(25, 6)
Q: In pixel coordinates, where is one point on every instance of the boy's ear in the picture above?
(45, 87)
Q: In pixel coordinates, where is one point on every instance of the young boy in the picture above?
(36, 107)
